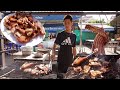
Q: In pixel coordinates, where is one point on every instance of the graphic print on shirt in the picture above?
(67, 41)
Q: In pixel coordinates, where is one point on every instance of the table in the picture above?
(7, 50)
(89, 40)
(89, 43)
(19, 56)
(113, 44)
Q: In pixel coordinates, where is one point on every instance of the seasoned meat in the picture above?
(24, 24)
(95, 63)
(27, 70)
(34, 72)
(26, 65)
(86, 68)
(94, 73)
(77, 69)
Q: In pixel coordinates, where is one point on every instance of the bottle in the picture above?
(78, 60)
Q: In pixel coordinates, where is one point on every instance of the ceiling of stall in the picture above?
(68, 12)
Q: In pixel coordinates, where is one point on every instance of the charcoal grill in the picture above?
(16, 73)
(112, 73)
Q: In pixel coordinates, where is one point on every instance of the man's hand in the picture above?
(95, 50)
(74, 51)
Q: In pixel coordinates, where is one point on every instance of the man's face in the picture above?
(68, 24)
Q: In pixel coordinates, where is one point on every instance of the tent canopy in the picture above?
(115, 21)
(54, 17)
(59, 25)
(56, 27)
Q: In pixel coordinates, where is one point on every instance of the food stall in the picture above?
(38, 65)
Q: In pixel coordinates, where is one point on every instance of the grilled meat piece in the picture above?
(28, 70)
(26, 65)
(77, 69)
(34, 72)
(22, 22)
(86, 68)
(94, 73)
(95, 64)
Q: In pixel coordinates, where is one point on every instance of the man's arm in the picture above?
(74, 51)
(74, 47)
(53, 51)
(118, 38)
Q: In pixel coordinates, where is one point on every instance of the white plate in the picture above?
(10, 37)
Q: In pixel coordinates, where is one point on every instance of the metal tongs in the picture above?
(50, 65)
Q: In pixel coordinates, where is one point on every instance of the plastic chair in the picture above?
(11, 45)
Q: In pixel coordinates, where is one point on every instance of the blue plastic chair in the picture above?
(10, 45)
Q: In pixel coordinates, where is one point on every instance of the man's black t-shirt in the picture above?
(65, 56)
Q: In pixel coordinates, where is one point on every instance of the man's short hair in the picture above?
(68, 17)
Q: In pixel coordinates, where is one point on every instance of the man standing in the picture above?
(67, 42)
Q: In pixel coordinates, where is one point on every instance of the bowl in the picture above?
(43, 50)
(26, 51)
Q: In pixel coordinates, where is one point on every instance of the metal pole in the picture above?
(81, 35)
(101, 21)
(2, 48)
(3, 54)
(116, 22)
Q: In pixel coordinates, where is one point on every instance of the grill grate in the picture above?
(18, 74)
(112, 73)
